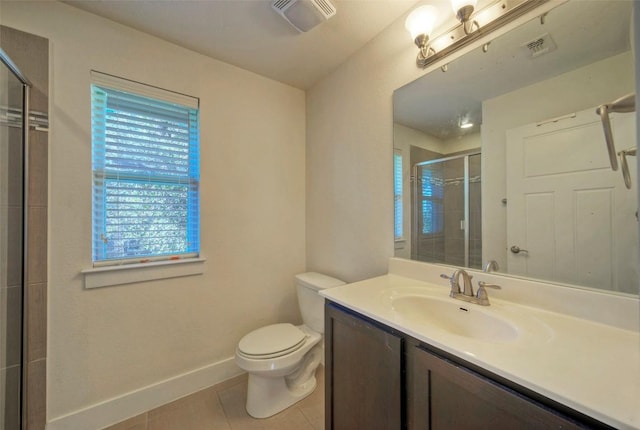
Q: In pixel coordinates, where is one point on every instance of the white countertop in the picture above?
(589, 366)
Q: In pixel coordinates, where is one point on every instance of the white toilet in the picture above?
(281, 359)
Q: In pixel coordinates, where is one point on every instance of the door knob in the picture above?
(516, 249)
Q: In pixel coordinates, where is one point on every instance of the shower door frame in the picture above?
(415, 193)
(26, 86)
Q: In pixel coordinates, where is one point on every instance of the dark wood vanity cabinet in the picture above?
(363, 373)
(442, 394)
(379, 378)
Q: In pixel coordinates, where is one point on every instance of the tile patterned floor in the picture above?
(221, 407)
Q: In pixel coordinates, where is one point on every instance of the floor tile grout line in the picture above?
(305, 416)
(224, 412)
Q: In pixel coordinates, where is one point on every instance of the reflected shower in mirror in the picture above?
(503, 157)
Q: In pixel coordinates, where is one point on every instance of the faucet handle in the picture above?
(481, 295)
(455, 287)
(484, 284)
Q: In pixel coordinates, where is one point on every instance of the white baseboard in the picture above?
(136, 402)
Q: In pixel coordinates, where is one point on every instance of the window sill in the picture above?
(107, 276)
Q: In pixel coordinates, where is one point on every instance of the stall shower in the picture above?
(24, 104)
(14, 99)
(446, 216)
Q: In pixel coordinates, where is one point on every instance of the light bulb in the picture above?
(459, 4)
(421, 21)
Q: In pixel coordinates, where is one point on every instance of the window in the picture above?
(146, 172)
(397, 191)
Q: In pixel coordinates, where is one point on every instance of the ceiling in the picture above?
(250, 35)
(583, 32)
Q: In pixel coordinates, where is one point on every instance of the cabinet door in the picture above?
(363, 374)
(443, 395)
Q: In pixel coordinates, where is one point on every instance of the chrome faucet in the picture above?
(481, 298)
(454, 281)
(491, 266)
(466, 279)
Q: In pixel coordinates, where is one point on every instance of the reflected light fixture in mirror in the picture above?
(463, 10)
(420, 24)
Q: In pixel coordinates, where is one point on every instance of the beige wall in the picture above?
(108, 342)
(349, 159)
(404, 137)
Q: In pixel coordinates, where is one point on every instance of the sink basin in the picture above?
(455, 317)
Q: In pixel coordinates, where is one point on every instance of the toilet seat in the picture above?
(272, 341)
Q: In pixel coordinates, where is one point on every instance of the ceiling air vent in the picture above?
(304, 14)
(540, 45)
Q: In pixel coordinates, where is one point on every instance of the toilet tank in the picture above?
(310, 302)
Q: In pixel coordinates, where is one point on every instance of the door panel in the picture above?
(571, 213)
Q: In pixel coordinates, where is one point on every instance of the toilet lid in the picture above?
(272, 341)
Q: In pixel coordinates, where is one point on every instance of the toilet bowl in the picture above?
(281, 359)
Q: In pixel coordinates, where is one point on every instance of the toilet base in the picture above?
(268, 396)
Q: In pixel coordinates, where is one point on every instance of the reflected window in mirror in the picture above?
(397, 192)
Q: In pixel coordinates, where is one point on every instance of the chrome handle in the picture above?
(481, 296)
(623, 104)
(603, 111)
(516, 250)
(455, 288)
(483, 284)
(625, 167)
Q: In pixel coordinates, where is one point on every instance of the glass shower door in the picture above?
(447, 211)
(11, 248)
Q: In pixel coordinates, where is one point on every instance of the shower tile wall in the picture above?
(31, 54)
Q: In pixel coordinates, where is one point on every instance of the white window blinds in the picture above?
(397, 191)
(146, 172)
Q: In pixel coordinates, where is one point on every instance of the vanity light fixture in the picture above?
(420, 24)
(463, 10)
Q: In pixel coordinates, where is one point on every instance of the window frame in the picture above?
(112, 83)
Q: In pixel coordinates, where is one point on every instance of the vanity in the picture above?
(528, 190)
(401, 354)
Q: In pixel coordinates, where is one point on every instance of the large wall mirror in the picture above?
(503, 158)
